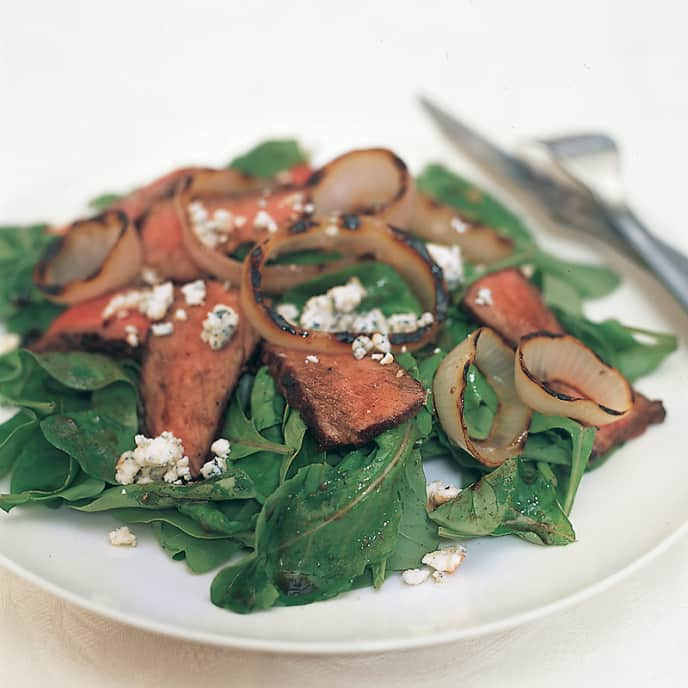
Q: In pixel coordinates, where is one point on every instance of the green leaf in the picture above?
(118, 402)
(104, 201)
(267, 404)
(417, 533)
(244, 436)
(213, 516)
(82, 371)
(269, 158)
(294, 431)
(474, 203)
(549, 429)
(200, 556)
(93, 440)
(82, 487)
(234, 484)
(513, 499)
(560, 294)
(14, 434)
(306, 257)
(480, 404)
(42, 468)
(588, 281)
(322, 529)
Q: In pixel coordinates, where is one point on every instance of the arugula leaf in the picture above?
(386, 288)
(561, 442)
(234, 484)
(322, 529)
(211, 516)
(22, 306)
(200, 556)
(417, 534)
(513, 499)
(267, 404)
(634, 352)
(244, 436)
(269, 158)
(588, 281)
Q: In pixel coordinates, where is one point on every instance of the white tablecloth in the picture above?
(144, 84)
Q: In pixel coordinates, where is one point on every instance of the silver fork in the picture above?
(589, 163)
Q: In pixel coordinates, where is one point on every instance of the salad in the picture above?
(257, 361)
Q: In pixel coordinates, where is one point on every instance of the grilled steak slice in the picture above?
(163, 245)
(508, 303)
(185, 384)
(81, 327)
(344, 401)
(643, 414)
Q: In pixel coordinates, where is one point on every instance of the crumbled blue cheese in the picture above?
(347, 297)
(387, 359)
(132, 335)
(194, 293)
(484, 297)
(180, 314)
(449, 259)
(263, 220)
(153, 302)
(219, 326)
(218, 464)
(122, 537)
(150, 275)
(439, 492)
(289, 312)
(458, 225)
(445, 560)
(318, 314)
(370, 322)
(415, 576)
(213, 230)
(312, 358)
(163, 329)
(381, 342)
(154, 458)
(361, 346)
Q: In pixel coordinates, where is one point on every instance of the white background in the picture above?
(100, 95)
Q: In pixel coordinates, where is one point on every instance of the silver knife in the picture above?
(575, 180)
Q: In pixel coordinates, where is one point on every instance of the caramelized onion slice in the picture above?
(558, 375)
(213, 185)
(485, 349)
(441, 224)
(360, 238)
(93, 257)
(371, 181)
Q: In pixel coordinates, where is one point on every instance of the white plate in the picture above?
(625, 513)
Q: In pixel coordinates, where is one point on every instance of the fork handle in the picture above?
(668, 265)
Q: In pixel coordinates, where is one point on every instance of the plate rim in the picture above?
(300, 647)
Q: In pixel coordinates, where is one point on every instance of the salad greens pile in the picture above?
(294, 523)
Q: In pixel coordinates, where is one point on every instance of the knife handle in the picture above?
(669, 265)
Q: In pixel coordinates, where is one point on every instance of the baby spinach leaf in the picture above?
(457, 326)
(479, 404)
(322, 529)
(104, 201)
(82, 487)
(634, 352)
(553, 438)
(294, 430)
(588, 281)
(211, 517)
(513, 499)
(269, 158)
(560, 294)
(234, 484)
(22, 306)
(267, 404)
(475, 203)
(200, 556)
(92, 439)
(14, 434)
(117, 402)
(42, 468)
(417, 534)
(82, 371)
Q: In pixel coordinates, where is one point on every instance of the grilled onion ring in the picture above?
(371, 181)
(232, 184)
(93, 257)
(361, 238)
(495, 359)
(558, 375)
(441, 224)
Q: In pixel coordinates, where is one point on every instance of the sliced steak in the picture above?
(185, 384)
(508, 303)
(643, 414)
(81, 327)
(344, 401)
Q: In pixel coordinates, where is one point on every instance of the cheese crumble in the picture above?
(194, 293)
(154, 458)
(122, 537)
(219, 326)
(449, 259)
(484, 297)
